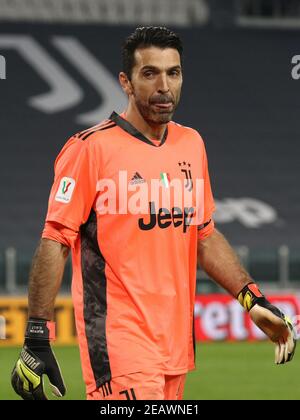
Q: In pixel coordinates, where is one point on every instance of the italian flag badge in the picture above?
(165, 178)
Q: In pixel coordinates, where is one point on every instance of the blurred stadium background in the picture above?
(58, 75)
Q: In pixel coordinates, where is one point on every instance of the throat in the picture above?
(154, 132)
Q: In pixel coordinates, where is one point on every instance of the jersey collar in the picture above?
(129, 128)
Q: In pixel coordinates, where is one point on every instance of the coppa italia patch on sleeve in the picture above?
(65, 190)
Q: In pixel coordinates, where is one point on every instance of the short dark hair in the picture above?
(147, 36)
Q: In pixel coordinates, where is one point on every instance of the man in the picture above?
(134, 265)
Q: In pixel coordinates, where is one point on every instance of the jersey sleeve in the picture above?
(59, 233)
(74, 189)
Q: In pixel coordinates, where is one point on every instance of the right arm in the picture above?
(68, 209)
(37, 358)
(62, 225)
(45, 278)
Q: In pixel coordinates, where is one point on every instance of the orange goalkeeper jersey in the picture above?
(135, 249)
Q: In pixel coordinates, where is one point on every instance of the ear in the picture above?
(125, 83)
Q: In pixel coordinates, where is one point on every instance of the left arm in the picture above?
(220, 262)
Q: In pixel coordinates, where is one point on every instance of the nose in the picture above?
(163, 86)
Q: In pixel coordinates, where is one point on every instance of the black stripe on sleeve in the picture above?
(99, 129)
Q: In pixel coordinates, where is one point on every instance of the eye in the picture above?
(174, 73)
(149, 73)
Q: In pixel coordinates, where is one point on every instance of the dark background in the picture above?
(238, 92)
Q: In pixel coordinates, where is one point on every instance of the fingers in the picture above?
(279, 352)
(291, 345)
(56, 382)
(18, 386)
(55, 377)
(55, 391)
(21, 381)
(284, 351)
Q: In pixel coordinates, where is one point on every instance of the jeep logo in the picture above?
(164, 218)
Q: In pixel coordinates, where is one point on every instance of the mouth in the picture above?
(164, 106)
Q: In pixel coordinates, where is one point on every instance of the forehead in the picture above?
(157, 57)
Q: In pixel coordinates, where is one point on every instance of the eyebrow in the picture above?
(149, 67)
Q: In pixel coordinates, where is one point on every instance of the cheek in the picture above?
(142, 93)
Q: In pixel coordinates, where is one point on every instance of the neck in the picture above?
(151, 131)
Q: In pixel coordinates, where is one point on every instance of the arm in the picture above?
(45, 278)
(220, 262)
(36, 357)
(75, 165)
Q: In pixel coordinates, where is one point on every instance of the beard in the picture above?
(155, 115)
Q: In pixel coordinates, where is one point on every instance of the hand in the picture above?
(271, 321)
(37, 359)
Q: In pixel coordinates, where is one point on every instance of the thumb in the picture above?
(55, 377)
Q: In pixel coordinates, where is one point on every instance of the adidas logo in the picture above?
(137, 179)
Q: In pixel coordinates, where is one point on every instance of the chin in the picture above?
(163, 118)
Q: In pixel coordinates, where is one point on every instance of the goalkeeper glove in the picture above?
(271, 321)
(36, 359)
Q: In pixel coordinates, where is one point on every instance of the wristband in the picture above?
(249, 296)
(40, 329)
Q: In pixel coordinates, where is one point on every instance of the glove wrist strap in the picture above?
(249, 296)
(40, 329)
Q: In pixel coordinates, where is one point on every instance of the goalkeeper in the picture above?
(134, 273)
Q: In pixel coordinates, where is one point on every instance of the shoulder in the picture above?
(187, 131)
(87, 140)
(81, 145)
(95, 132)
